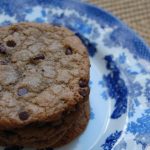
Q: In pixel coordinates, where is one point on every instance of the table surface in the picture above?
(135, 13)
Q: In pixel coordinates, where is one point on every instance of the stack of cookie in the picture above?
(44, 92)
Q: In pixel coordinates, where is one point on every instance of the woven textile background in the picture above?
(135, 13)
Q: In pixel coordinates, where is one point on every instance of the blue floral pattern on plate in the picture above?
(120, 67)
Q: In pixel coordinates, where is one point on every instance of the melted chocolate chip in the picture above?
(39, 57)
(11, 43)
(13, 148)
(2, 49)
(22, 91)
(68, 51)
(23, 115)
(83, 92)
(83, 83)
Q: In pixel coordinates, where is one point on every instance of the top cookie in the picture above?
(44, 71)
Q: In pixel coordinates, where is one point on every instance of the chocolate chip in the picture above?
(11, 43)
(24, 75)
(3, 62)
(36, 59)
(23, 115)
(2, 49)
(68, 51)
(14, 148)
(83, 83)
(83, 92)
(22, 91)
(39, 56)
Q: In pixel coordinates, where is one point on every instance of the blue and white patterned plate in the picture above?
(120, 71)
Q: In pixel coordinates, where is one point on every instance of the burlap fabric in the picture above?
(135, 13)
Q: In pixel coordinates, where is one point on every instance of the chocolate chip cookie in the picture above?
(44, 77)
(49, 135)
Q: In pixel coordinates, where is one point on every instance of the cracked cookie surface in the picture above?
(44, 72)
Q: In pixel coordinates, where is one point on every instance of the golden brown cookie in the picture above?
(48, 136)
(44, 88)
(77, 128)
